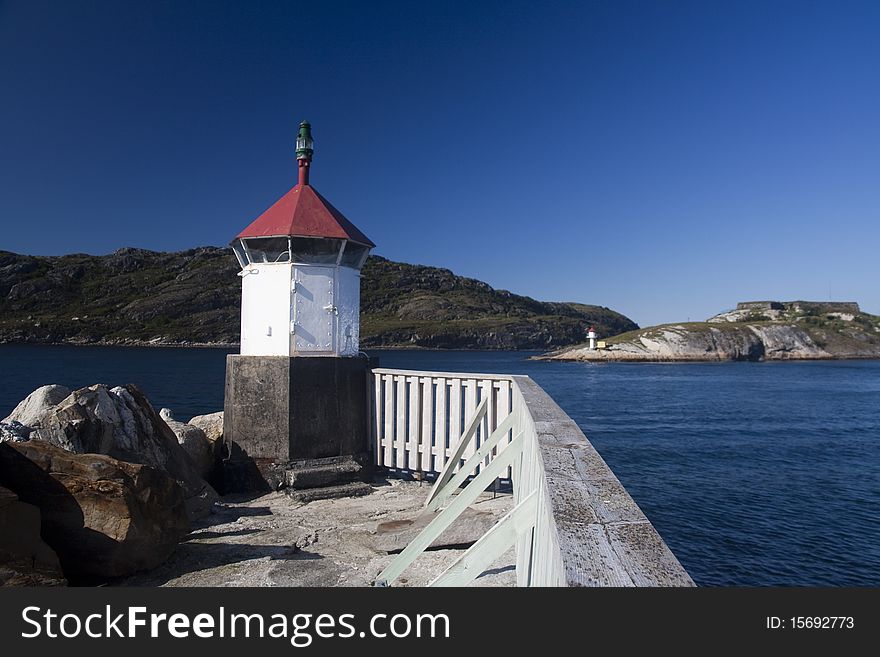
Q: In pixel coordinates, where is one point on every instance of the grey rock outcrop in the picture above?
(103, 517)
(32, 407)
(194, 442)
(25, 558)
(212, 425)
(120, 422)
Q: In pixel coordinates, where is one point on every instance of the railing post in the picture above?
(449, 468)
(448, 515)
(440, 493)
(491, 545)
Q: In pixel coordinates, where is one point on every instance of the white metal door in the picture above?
(314, 313)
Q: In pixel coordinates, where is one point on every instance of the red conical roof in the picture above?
(303, 212)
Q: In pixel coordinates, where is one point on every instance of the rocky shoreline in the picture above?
(99, 488)
(127, 342)
(226, 345)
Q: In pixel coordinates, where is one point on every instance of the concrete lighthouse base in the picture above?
(304, 422)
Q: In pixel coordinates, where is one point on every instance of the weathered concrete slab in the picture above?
(280, 409)
(313, 473)
(573, 500)
(429, 564)
(393, 536)
(645, 556)
(604, 537)
(255, 409)
(329, 407)
(589, 558)
(351, 489)
(272, 541)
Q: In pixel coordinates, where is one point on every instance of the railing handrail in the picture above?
(573, 523)
(444, 375)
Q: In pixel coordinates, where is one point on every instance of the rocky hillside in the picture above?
(766, 330)
(135, 296)
(424, 306)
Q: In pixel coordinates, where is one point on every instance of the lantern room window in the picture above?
(315, 250)
(300, 250)
(268, 249)
(354, 255)
(240, 254)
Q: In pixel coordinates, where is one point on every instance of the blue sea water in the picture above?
(754, 473)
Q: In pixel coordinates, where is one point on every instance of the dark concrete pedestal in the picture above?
(299, 414)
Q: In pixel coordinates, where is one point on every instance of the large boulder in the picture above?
(31, 408)
(103, 517)
(120, 422)
(212, 425)
(194, 442)
(25, 559)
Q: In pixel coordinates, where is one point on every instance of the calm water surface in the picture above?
(754, 473)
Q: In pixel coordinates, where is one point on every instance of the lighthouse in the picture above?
(300, 269)
(591, 337)
(296, 395)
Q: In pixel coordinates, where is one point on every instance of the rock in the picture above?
(194, 442)
(120, 422)
(103, 517)
(32, 407)
(14, 432)
(212, 425)
(25, 559)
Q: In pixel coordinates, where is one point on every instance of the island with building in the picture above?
(753, 331)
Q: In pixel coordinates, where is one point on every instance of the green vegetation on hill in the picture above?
(135, 296)
(405, 304)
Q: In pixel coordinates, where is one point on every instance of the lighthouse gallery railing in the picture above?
(573, 523)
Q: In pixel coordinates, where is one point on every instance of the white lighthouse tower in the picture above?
(296, 395)
(300, 268)
(591, 337)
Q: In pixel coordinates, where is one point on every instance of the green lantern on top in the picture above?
(304, 143)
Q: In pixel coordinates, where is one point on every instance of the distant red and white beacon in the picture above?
(591, 336)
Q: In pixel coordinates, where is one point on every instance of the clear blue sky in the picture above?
(665, 159)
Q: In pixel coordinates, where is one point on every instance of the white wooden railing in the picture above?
(573, 523)
(419, 417)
